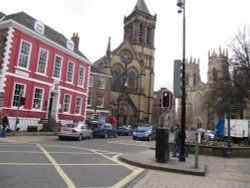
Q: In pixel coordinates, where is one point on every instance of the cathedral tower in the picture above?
(217, 66)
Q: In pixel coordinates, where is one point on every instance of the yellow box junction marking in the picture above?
(58, 168)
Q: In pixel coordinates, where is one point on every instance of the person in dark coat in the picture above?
(177, 141)
(177, 144)
(5, 124)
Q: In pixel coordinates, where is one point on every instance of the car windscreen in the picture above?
(145, 128)
(122, 128)
(71, 125)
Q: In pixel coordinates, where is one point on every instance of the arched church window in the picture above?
(195, 79)
(198, 109)
(187, 79)
(215, 75)
(132, 78)
(141, 34)
(149, 33)
(117, 77)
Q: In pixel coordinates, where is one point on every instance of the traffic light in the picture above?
(22, 101)
(166, 99)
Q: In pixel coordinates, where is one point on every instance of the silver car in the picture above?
(209, 135)
(74, 130)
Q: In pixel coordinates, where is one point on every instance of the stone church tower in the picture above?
(131, 66)
(198, 113)
(195, 94)
(217, 66)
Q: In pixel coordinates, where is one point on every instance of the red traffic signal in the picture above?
(166, 99)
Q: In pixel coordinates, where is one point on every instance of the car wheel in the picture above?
(80, 137)
(134, 138)
(105, 135)
(150, 138)
(91, 136)
(60, 137)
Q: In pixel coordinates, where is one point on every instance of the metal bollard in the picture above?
(198, 141)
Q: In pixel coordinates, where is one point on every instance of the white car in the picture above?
(74, 130)
(209, 135)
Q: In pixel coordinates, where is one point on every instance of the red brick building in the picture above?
(41, 65)
(98, 103)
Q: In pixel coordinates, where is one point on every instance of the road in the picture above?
(46, 161)
(38, 161)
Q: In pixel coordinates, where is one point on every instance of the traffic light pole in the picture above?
(17, 114)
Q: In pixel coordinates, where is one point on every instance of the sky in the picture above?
(210, 24)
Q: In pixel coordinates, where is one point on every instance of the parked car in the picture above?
(74, 130)
(145, 133)
(125, 130)
(201, 131)
(105, 130)
(209, 135)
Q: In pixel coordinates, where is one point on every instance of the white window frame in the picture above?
(39, 98)
(91, 81)
(70, 73)
(56, 68)
(101, 83)
(89, 100)
(24, 57)
(17, 93)
(100, 101)
(42, 62)
(78, 108)
(67, 104)
(81, 76)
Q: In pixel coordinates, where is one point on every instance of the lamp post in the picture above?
(181, 5)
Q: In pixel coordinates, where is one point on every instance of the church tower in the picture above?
(217, 66)
(131, 66)
(139, 26)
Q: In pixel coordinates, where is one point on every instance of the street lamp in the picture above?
(181, 5)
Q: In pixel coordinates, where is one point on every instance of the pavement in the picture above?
(208, 172)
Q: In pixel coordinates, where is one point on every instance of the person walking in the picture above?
(5, 124)
(177, 142)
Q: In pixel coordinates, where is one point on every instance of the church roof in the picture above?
(141, 6)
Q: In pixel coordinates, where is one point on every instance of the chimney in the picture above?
(76, 40)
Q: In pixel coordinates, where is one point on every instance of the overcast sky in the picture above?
(209, 24)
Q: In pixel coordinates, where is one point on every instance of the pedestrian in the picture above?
(177, 142)
(5, 124)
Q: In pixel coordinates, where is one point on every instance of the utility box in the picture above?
(162, 145)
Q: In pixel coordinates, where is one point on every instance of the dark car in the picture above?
(125, 130)
(105, 130)
(144, 133)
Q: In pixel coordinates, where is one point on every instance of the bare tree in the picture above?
(240, 65)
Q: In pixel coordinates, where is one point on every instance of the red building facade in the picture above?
(45, 68)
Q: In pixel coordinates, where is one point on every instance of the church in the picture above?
(131, 66)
